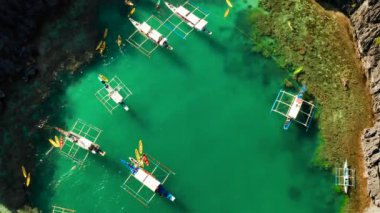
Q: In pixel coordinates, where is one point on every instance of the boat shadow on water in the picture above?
(180, 206)
(111, 165)
(139, 120)
(219, 47)
(175, 58)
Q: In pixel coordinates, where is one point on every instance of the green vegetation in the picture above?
(377, 41)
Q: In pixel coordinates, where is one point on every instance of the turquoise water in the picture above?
(203, 110)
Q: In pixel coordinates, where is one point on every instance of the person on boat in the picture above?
(95, 149)
(73, 137)
(105, 84)
(165, 44)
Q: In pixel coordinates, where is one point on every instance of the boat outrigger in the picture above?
(146, 30)
(57, 209)
(113, 94)
(82, 136)
(294, 108)
(345, 177)
(189, 17)
(148, 181)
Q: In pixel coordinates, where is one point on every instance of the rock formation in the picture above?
(366, 24)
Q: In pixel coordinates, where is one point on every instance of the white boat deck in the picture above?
(147, 179)
(295, 108)
(143, 184)
(116, 93)
(88, 134)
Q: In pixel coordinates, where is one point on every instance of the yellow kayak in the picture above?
(53, 143)
(27, 183)
(102, 78)
(138, 158)
(99, 44)
(227, 12)
(229, 3)
(119, 40)
(140, 146)
(132, 11)
(23, 171)
(102, 47)
(105, 34)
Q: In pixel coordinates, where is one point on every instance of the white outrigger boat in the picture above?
(113, 94)
(152, 34)
(148, 181)
(192, 20)
(81, 137)
(82, 142)
(345, 177)
(294, 108)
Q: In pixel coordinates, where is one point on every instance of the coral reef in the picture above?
(40, 41)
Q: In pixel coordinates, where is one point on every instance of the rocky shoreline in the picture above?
(323, 41)
(366, 24)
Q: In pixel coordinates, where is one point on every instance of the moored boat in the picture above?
(188, 17)
(152, 34)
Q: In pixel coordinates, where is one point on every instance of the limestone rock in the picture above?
(366, 24)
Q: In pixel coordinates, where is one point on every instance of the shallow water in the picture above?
(203, 110)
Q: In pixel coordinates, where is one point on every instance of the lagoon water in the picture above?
(203, 110)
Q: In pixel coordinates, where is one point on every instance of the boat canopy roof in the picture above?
(147, 179)
(201, 24)
(295, 108)
(116, 97)
(145, 28)
(193, 18)
(155, 35)
(182, 11)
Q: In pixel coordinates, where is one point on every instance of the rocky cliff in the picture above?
(366, 24)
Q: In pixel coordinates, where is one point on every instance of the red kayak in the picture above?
(145, 159)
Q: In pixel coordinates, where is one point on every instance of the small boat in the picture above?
(152, 34)
(129, 3)
(140, 146)
(112, 93)
(27, 181)
(23, 171)
(145, 159)
(54, 143)
(346, 177)
(294, 108)
(81, 142)
(188, 17)
(135, 162)
(119, 41)
(139, 159)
